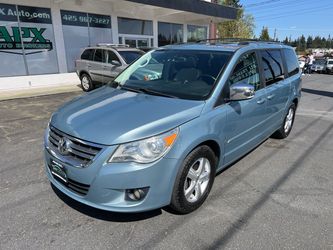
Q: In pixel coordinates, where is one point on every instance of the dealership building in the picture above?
(43, 38)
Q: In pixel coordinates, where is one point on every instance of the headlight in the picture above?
(146, 150)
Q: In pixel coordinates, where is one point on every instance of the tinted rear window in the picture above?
(87, 54)
(273, 66)
(291, 61)
(130, 56)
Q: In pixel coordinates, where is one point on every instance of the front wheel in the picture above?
(288, 123)
(194, 180)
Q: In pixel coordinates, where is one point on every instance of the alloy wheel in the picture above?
(197, 179)
(85, 82)
(289, 120)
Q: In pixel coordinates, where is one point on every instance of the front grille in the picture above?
(78, 152)
(77, 187)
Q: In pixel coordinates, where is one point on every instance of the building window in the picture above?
(195, 33)
(81, 30)
(135, 26)
(169, 33)
(27, 45)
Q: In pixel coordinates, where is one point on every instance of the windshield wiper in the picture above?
(114, 84)
(154, 92)
(145, 91)
(129, 88)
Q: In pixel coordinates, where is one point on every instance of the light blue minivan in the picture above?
(158, 134)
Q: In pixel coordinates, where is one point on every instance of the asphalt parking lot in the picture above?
(278, 196)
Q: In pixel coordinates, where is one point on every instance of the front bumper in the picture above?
(106, 183)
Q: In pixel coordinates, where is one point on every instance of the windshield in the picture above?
(130, 56)
(186, 74)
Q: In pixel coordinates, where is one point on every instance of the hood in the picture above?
(112, 116)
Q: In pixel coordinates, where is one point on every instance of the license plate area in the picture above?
(59, 171)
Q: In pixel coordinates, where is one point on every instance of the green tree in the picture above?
(242, 27)
(329, 43)
(309, 42)
(323, 42)
(286, 40)
(294, 43)
(317, 42)
(232, 3)
(264, 35)
(301, 44)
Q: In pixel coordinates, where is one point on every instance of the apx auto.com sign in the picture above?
(13, 36)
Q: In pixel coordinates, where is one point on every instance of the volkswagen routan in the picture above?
(157, 135)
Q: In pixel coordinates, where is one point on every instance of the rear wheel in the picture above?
(86, 83)
(288, 123)
(194, 180)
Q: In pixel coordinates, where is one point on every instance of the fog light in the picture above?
(136, 194)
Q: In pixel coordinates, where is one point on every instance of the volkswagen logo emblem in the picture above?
(63, 146)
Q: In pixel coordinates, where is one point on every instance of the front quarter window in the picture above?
(246, 71)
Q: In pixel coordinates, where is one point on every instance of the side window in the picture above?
(272, 66)
(291, 61)
(99, 56)
(111, 56)
(246, 71)
(87, 54)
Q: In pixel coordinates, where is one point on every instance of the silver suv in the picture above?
(329, 66)
(101, 64)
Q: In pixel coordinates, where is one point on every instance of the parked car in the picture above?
(329, 66)
(301, 64)
(101, 64)
(319, 66)
(150, 140)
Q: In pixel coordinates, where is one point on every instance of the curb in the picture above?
(40, 91)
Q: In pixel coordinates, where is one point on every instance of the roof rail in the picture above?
(240, 41)
(114, 45)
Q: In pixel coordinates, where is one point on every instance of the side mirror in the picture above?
(116, 63)
(241, 91)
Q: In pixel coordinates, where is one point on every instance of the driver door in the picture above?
(245, 119)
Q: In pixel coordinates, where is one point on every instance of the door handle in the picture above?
(270, 97)
(89, 66)
(261, 101)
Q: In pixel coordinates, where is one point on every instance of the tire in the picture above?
(192, 188)
(287, 124)
(86, 83)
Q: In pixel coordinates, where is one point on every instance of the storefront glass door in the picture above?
(136, 42)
